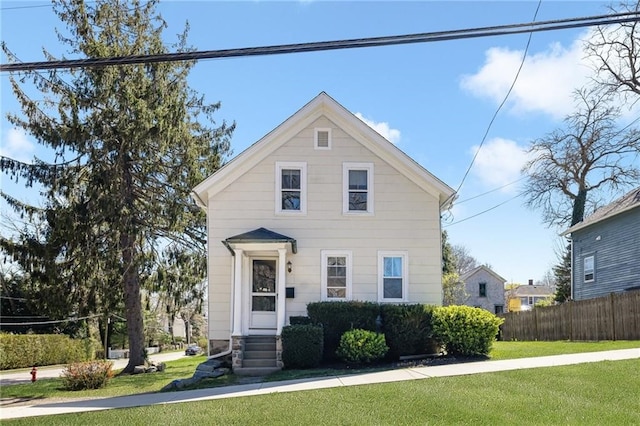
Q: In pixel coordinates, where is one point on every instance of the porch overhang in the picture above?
(262, 240)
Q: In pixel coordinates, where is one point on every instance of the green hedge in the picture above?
(338, 317)
(28, 350)
(302, 346)
(464, 330)
(408, 329)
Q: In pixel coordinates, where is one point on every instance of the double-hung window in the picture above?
(291, 188)
(482, 289)
(589, 269)
(336, 275)
(392, 276)
(357, 188)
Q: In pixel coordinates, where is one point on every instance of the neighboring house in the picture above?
(526, 296)
(605, 249)
(321, 208)
(485, 289)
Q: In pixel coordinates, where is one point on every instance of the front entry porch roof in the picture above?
(259, 236)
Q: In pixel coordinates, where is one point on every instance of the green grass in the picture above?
(184, 368)
(117, 386)
(596, 393)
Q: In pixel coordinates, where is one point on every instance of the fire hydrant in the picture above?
(34, 371)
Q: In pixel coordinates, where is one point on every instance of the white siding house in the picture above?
(321, 208)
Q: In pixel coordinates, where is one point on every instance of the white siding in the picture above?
(405, 218)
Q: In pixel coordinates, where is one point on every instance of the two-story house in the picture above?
(484, 289)
(321, 208)
(605, 249)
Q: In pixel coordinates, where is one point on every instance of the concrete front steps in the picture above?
(259, 357)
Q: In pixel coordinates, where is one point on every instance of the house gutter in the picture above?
(198, 200)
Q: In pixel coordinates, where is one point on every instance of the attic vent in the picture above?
(323, 139)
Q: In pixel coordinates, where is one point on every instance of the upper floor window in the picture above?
(291, 187)
(392, 276)
(336, 275)
(482, 290)
(322, 138)
(589, 269)
(357, 188)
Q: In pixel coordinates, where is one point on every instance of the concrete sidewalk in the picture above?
(9, 412)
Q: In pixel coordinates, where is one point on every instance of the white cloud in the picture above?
(16, 145)
(392, 135)
(546, 82)
(499, 163)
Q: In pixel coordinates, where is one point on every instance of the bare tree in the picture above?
(464, 261)
(572, 167)
(616, 54)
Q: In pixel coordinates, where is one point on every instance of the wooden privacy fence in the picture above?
(612, 317)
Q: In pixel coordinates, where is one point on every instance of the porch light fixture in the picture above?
(289, 265)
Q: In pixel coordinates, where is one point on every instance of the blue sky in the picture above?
(434, 100)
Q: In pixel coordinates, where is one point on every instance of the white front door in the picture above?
(263, 293)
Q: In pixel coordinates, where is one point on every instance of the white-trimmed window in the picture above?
(357, 181)
(393, 276)
(589, 269)
(291, 188)
(336, 275)
(322, 138)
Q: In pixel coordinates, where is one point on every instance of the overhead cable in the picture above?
(560, 24)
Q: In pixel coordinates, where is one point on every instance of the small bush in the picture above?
(338, 317)
(362, 346)
(302, 346)
(407, 329)
(464, 330)
(86, 375)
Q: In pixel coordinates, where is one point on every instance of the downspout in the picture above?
(572, 269)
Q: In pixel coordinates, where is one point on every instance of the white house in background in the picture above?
(485, 289)
(321, 208)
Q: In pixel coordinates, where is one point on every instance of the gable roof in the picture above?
(532, 290)
(472, 272)
(323, 105)
(627, 202)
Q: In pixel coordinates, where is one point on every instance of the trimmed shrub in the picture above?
(464, 330)
(408, 330)
(86, 375)
(28, 350)
(302, 346)
(338, 317)
(362, 346)
(299, 320)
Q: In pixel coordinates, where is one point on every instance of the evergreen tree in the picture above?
(448, 257)
(129, 143)
(562, 273)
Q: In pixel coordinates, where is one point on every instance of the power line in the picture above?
(482, 212)
(332, 45)
(20, 324)
(490, 191)
(495, 115)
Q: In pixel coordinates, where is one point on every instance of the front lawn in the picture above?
(602, 393)
(184, 368)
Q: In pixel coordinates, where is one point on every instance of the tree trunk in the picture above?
(577, 214)
(132, 304)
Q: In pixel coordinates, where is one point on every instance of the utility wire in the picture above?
(490, 191)
(19, 324)
(482, 212)
(495, 115)
(332, 45)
